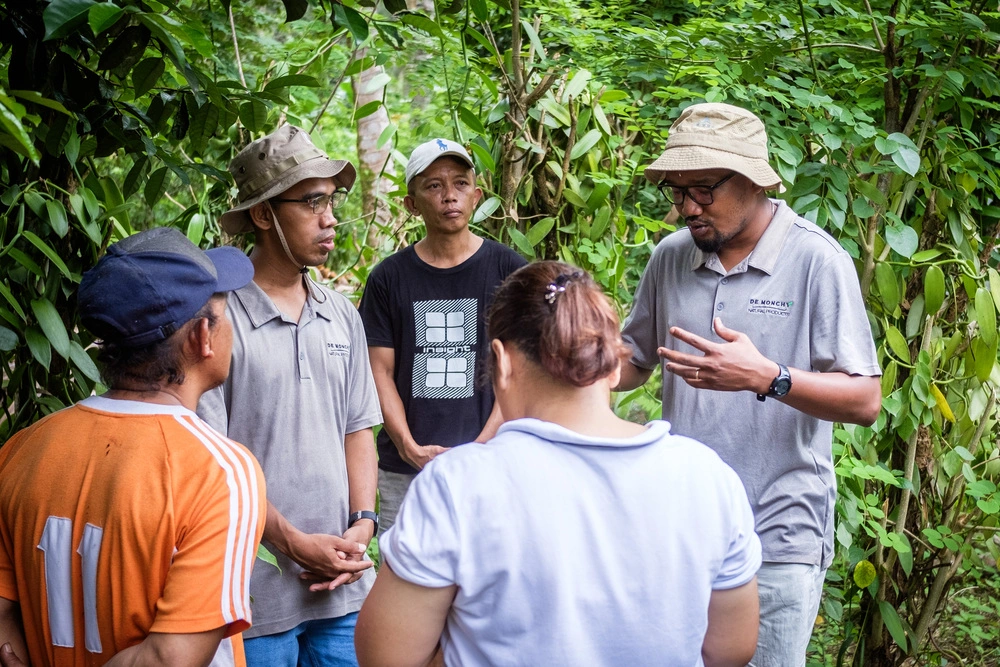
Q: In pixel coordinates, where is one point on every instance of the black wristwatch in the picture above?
(363, 514)
(780, 385)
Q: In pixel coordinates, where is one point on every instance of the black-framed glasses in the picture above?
(702, 195)
(319, 203)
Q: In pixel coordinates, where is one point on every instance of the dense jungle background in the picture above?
(884, 120)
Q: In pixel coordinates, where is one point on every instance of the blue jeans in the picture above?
(327, 642)
(789, 600)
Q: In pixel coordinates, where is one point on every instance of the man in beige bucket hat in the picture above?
(795, 355)
(301, 396)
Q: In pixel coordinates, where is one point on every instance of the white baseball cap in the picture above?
(426, 153)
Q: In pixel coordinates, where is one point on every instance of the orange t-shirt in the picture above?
(121, 518)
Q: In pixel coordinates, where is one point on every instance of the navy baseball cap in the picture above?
(149, 284)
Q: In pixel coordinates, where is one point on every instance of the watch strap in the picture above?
(363, 514)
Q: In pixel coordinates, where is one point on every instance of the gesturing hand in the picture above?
(8, 658)
(735, 365)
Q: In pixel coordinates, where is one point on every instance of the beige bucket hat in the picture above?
(717, 136)
(270, 165)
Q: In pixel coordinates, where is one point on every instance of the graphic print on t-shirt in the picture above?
(444, 364)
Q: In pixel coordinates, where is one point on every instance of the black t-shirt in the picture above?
(435, 321)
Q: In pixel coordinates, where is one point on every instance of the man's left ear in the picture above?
(202, 339)
(502, 368)
(479, 195)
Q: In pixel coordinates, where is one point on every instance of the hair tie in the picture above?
(558, 286)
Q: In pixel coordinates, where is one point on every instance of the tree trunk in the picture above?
(375, 162)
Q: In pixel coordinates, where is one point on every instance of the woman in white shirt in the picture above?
(573, 537)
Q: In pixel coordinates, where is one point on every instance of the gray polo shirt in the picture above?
(294, 391)
(797, 297)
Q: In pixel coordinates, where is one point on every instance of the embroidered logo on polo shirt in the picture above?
(445, 362)
(338, 349)
(775, 307)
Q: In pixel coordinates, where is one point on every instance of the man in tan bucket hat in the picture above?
(301, 396)
(795, 355)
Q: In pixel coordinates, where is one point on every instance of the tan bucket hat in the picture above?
(717, 136)
(270, 165)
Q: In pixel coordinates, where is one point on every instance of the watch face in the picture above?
(781, 386)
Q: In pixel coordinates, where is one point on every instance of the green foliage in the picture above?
(116, 116)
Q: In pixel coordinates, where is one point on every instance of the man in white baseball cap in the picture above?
(300, 394)
(795, 355)
(424, 310)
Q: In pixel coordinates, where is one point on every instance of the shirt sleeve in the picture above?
(8, 578)
(375, 310)
(364, 410)
(639, 330)
(840, 335)
(743, 557)
(422, 547)
(219, 506)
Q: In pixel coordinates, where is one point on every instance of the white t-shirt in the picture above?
(571, 550)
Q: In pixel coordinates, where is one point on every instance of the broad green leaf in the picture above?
(897, 343)
(902, 239)
(102, 16)
(521, 242)
(942, 404)
(471, 120)
(889, 377)
(533, 38)
(12, 124)
(61, 17)
(485, 158)
(892, 623)
(584, 144)
(864, 574)
(267, 556)
(984, 357)
(350, 18)
(26, 262)
(421, 22)
(478, 9)
(52, 325)
(377, 82)
(146, 74)
(55, 214)
(994, 278)
(577, 84)
(366, 110)
(396, 6)
(155, 186)
(602, 120)
(933, 289)
(870, 191)
(36, 97)
(82, 360)
(196, 228)
(289, 80)
(48, 252)
(986, 315)
(540, 230)
(39, 345)
(601, 219)
(926, 255)
(907, 160)
(888, 285)
(6, 293)
(486, 209)
(8, 339)
(387, 134)
(206, 119)
(253, 114)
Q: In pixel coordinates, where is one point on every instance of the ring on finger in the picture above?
(696, 372)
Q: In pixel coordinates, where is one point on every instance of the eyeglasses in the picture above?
(319, 203)
(703, 195)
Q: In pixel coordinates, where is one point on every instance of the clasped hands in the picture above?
(735, 365)
(330, 561)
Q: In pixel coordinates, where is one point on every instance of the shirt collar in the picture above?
(765, 255)
(261, 310)
(655, 431)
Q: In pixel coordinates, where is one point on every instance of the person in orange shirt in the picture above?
(128, 526)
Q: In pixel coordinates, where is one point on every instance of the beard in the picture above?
(717, 241)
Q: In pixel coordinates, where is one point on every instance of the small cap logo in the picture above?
(443, 146)
(704, 122)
